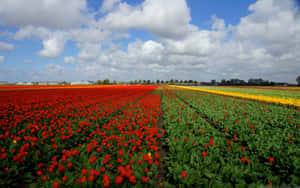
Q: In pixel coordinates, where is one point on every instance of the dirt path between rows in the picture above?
(160, 177)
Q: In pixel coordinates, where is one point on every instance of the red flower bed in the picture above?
(64, 137)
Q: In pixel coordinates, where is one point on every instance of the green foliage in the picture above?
(191, 131)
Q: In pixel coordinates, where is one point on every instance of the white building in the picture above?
(82, 83)
(53, 83)
(42, 83)
(20, 83)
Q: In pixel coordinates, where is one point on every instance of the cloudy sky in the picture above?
(149, 39)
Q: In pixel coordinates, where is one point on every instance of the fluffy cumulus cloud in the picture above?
(53, 45)
(265, 43)
(6, 46)
(47, 13)
(28, 31)
(168, 18)
(274, 24)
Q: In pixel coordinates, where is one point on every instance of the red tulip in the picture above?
(145, 179)
(119, 179)
(91, 178)
(83, 179)
(93, 159)
(84, 172)
(55, 184)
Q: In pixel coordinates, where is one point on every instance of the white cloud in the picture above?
(273, 24)
(6, 46)
(149, 51)
(218, 23)
(89, 51)
(29, 31)
(53, 45)
(108, 5)
(47, 13)
(168, 18)
(69, 60)
(2, 58)
(90, 35)
(196, 43)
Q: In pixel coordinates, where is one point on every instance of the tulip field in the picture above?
(145, 136)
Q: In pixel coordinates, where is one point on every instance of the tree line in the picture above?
(223, 82)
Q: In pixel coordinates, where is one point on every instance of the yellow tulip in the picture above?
(287, 101)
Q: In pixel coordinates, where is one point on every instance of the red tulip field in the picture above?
(145, 136)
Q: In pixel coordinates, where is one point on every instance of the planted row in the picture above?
(251, 123)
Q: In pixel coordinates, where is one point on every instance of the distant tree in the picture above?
(99, 82)
(148, 82)
(162, 81)
(298, 80)
(223, 82)
(140, 81)
(106, 81)
(236, 81)
(65, 83)
(181, 81)
(157, 81)
(35, 83)
(213, 82)
(260, 82)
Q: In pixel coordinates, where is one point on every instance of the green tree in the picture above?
(106, 81)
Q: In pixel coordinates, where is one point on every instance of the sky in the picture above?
(201, 40)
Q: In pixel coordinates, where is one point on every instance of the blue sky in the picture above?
(149, 39)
